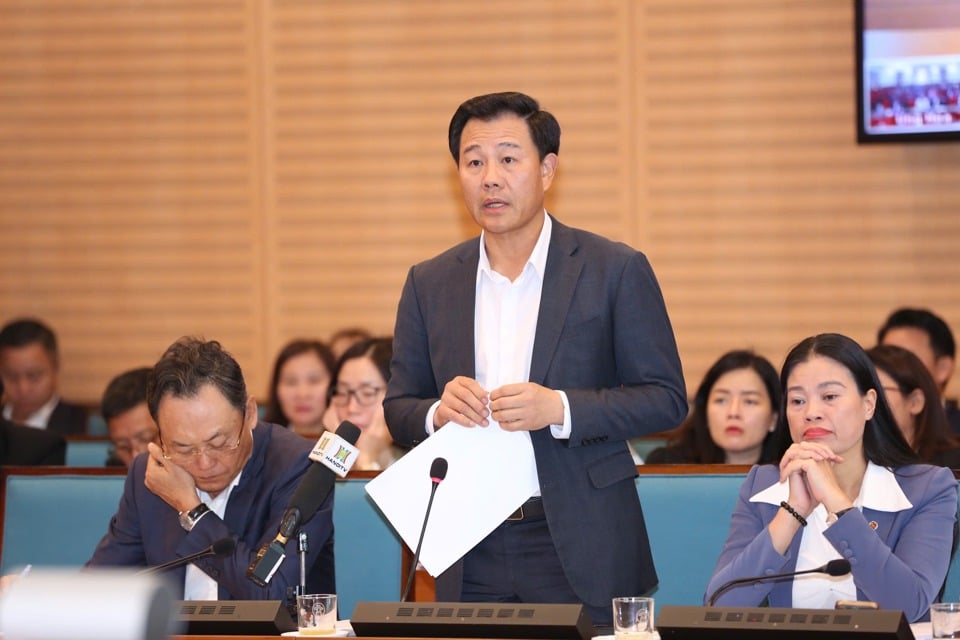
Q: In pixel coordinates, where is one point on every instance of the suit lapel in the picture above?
(460, 295)
(562, 271)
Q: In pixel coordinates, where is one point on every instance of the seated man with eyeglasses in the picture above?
(129, 423)
(217, 473)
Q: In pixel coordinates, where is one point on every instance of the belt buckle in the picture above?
(516, 518)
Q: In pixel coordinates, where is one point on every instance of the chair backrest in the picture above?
(88, 452)
(55, 518)
(688, 519)
(951, 590)
(368, 551)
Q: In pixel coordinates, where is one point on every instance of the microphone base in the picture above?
(235, 617)
(471, 620)
(760, 623)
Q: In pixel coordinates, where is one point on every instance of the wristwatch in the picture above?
(189, 519)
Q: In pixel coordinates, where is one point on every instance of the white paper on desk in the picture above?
(489, 475)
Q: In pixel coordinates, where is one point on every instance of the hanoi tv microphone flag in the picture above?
(333, 456)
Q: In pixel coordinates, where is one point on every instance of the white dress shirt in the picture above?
(39, 418)
(197, 585)
(505, 325)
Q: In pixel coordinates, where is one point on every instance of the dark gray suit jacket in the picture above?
(604, 338)
(21, 445)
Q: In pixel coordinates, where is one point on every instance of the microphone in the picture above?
(333, 455)
(438, 471)
(839, 567)
(219, 549)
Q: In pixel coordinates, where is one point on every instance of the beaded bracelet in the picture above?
(793, 512)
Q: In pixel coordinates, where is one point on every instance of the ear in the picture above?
(915, 402)
(942, 370)
(870, 402)
(252, 417)
(773, 423)
(548, 168)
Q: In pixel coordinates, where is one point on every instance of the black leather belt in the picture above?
(529, 510)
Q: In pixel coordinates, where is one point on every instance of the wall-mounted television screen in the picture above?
(908, 70)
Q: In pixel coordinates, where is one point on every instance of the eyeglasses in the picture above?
(220, 447)
(366, 395)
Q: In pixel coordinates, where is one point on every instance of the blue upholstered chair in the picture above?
(369, 553)
(56, 519)
(951, 590)
(688, 518)
(88, 453)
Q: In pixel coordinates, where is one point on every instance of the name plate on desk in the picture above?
(747, 623)
(471, 620)
(235, 617)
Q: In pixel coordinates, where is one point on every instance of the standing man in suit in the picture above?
(548, 330)
(29, 366)
(928, 337)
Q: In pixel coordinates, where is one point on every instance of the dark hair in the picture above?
(353, 333)
(188, 365)
(544, 128)
(275, 412)
(692, 437)
(124, 392)
(379, 350)
(932, 433)
(883, 443)
(941, 338)
(27, 331)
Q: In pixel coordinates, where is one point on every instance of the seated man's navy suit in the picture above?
(146, 531)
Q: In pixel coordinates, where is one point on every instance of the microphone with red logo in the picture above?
(438, 471)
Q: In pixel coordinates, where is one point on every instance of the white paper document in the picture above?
(489, 475)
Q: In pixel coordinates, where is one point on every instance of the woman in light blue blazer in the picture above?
(848, 487)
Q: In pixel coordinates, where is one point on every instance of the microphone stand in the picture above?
(302, 548)
(300, 589)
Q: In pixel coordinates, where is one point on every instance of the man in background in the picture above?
(552, 332)
(124, 409)
(217, 473)
(29, 366)
(928, 337)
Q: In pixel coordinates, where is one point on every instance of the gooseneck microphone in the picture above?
(333, 455)
(219, 549)
(438, 471)
(839, 567)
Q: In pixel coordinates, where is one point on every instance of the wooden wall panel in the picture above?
(360, 96)
(767, 222)
(254, 170)
(129, 187)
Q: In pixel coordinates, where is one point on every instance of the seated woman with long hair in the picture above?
(359, 385)
(915, 401)
(299, 387)
(734, 416)
(848, 487)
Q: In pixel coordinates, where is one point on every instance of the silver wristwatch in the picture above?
(189, 519)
